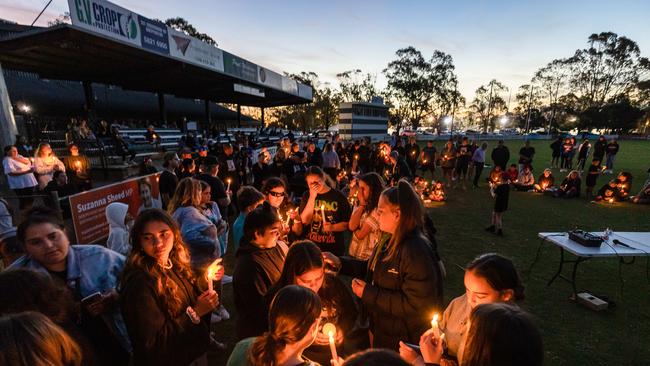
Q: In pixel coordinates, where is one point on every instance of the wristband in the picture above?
(191, 313)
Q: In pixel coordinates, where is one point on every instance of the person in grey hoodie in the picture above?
(119, 223)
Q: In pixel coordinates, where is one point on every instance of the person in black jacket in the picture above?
(305, 267)
(400, 168)
(556, 148)
(599, 148)
(401, 284)
(260, 259)
(166, 314)
(500, 155)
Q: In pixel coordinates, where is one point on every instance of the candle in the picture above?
(424, 161)
(330, 330)
(77, 164)
(212, 272)
(288, 217)
(434, 325)
(322, 213)
(611, 200)
(356, 157)
(228, 181)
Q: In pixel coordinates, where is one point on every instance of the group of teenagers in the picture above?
(354, 249)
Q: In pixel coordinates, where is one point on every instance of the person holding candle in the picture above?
(609, 192)
(500, 334)
(91, 272)
(428, 159)
(624, 180)
(20, 176)
(525, 180)
(593, 173)
(545, 181)
(500, 191)
(218, 192)
(489, 278)
(364, 221)
(448, 162)
(463, 157)
(78, 167)
(259, 262)
(412, 150)
(325, 212)
(401, 283)
(294, 320)
(45, 164)
(166, 313)
(229, 169)
(570, 186)
(304, 266)
(399, 168)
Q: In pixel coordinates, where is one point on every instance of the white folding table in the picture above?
(638, 245)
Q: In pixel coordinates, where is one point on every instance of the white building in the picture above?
(361, 119)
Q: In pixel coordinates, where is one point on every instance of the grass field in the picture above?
(573, 335)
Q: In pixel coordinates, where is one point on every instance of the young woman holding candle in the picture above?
(499, 334)
(166, 313)
(545, 181)
(401, 283)
(448, 162)
(45, 164)
(489, 278)
(89, 271)
(258, 266)
(364, 221)
(294, 320)
(304, 266)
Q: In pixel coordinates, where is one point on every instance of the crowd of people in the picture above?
(334, 251)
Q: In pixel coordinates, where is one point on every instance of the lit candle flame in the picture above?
(330, 330)
(212, 272)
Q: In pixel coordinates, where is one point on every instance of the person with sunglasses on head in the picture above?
(259, 262)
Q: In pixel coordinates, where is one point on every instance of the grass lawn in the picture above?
(573, 335)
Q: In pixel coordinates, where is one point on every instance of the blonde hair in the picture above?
(31, 339)
(188, 193)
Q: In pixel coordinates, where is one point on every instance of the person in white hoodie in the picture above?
(119, 223)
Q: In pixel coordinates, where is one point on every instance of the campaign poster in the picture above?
(89, 208)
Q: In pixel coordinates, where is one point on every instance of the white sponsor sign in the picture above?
(105, 18)
(194, 51)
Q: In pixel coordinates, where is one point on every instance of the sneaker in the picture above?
(490, 228)
(223, 313)
(215, 318)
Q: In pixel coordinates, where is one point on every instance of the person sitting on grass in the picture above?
(500, 191)
(438, 192)
(525, 180)
(593, 173)
(545, 181)
(489, 278)
(609, 192)
(570, 186)
(644, 194)
(495, 175)
(513, 172)
(624, 185)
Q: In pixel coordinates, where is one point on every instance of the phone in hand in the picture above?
(91, 299)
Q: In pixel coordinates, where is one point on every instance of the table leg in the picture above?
(573, 274)
(559, 270)
(539, 249)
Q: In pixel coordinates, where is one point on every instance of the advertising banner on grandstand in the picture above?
(194, 51)
(89, 208)
(106, 18)
(269, 78)
(239, 67)
(154, 35)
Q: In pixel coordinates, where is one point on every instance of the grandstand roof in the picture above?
(67, 52)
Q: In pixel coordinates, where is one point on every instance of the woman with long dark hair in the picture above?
(294, 320)
(166, 314)
(91, 272)
(304, 266)
(258, 266)
(364, 221)
(401, 284)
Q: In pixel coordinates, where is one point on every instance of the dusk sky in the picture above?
(506, 40)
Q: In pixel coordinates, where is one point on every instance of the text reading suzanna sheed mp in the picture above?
(89, 208)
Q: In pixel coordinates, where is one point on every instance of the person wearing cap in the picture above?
(209, 174)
